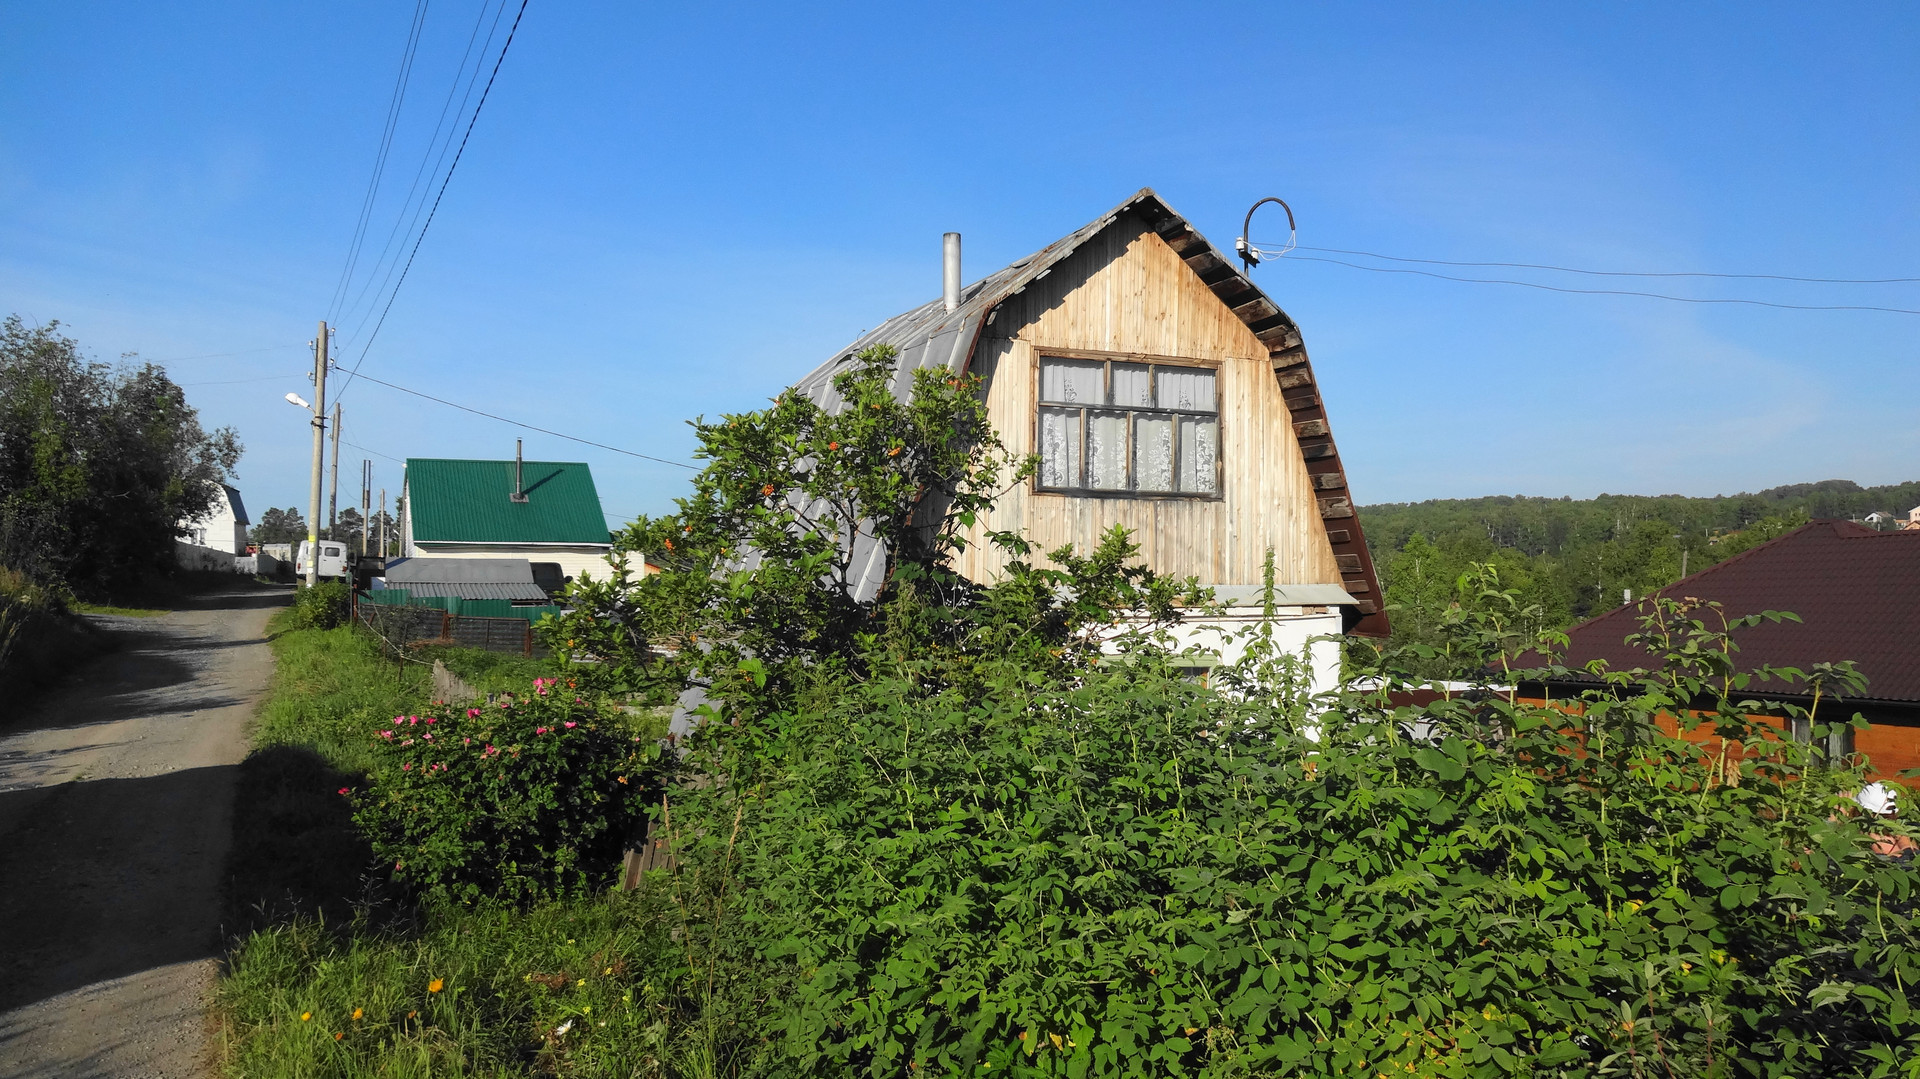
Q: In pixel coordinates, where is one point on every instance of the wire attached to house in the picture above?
(1623, 273)
(530, 427)
(1251, 256)
(1607, 291)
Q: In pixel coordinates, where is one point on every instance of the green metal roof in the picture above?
(469, 502)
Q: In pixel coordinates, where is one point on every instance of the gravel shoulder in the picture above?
(116, 802)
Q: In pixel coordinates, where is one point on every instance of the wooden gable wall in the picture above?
(1126, 292)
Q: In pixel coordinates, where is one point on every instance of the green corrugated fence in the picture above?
(471, 608)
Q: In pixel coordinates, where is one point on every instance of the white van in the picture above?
(333, 559)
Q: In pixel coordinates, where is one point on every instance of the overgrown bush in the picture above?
(528, 797)
(325, 605)
(40, 637)
(936, 827)
(1127, 874)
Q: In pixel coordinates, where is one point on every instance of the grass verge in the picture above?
(123, 612)
(333, 974)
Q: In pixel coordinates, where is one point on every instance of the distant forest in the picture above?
(1575, 558)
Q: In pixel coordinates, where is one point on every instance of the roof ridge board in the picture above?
(487, 461)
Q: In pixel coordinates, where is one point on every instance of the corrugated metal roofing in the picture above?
(467, 578)
(472, 590)
(468, 502)
(1857, 592)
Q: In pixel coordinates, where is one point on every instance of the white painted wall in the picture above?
(1293, 631)
(220, 530)
(574, 559)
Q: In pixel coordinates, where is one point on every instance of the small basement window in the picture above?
(1110, 426)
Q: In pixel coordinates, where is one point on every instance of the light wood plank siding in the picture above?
(1127, 292)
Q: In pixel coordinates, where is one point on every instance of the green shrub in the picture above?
(326, 605)
(1127, 874)
(524, 798)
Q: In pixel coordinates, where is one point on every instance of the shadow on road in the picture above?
(295, 850)
(109, 877)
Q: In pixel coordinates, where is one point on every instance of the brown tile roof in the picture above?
(1857, 592)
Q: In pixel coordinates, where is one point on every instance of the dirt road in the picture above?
(116, 799)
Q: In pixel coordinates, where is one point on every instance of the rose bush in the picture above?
(526, 797)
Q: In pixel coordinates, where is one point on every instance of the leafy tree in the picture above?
(348, 528)
(98, 466)
(767, 564)
(280, 526)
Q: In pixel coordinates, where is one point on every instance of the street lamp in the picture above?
(297, 401)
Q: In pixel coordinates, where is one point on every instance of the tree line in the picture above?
(1571, 559)
(290, 526)
(99, 464)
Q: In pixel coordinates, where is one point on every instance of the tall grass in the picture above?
(553, 990)
(328, 685)
(561, 989)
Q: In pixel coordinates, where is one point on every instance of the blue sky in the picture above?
(668, 211)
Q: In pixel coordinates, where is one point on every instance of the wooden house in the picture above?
(1164, 392)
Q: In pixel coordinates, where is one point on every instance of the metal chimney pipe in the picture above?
(950, 269)
(519, 488)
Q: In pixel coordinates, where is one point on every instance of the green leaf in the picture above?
(1435, 761)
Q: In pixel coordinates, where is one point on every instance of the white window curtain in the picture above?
(1199, 448)
(1072, 382)
(1132, 385)
(1152, 453)
(1107, 451)
(1117, 426)
(1059, 447)
(1182, 387)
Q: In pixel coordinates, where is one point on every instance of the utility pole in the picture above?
(366, 502)
(319, 454)
(333, 481)
(383, 522)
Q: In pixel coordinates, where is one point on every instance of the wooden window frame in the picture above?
(1219, 493)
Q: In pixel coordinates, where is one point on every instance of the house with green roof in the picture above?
(547, 512)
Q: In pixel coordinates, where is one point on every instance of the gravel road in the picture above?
(116, 801)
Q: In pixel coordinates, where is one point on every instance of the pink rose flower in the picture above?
(473, 713)
(407, 767)
(570, 724)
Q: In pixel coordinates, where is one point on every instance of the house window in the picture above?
(1136, 428)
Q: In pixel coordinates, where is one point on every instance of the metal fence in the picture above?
(401, 623)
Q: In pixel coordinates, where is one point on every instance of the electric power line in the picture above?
(439, 141)
(394, 103)
(217, 355)
(1628, 273)
(530, 427)
(239, 381)
(376, 453)
(1608, 291)
(508, 44)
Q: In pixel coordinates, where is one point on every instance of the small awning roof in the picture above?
(465, 578)
(1284, 595)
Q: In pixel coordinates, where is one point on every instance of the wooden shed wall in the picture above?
(1126, 292)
